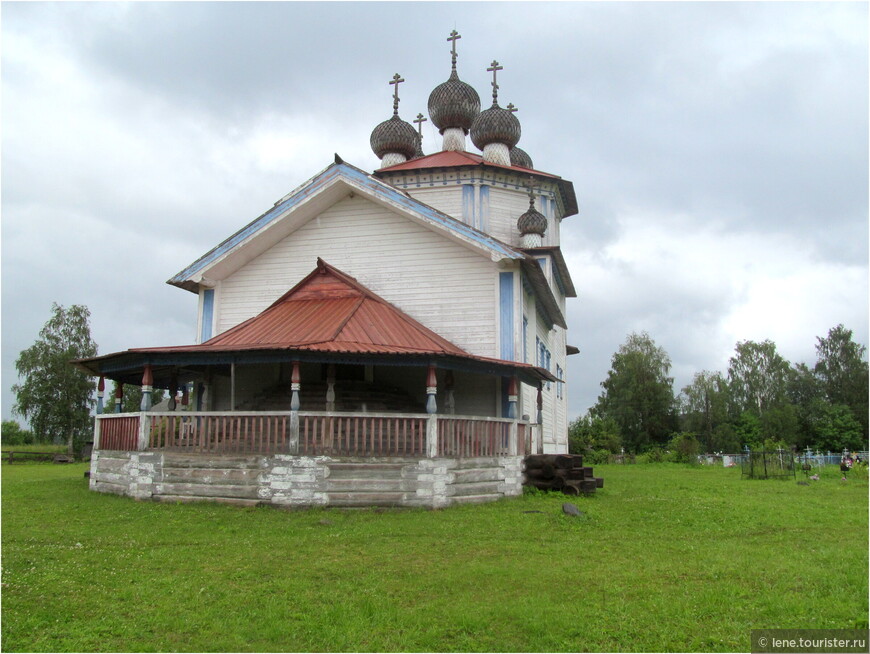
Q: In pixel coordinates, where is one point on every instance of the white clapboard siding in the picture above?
(447, 199)
(443, 284)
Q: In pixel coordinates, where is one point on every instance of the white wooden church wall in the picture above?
(447, 287)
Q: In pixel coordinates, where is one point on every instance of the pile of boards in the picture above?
(561, 472)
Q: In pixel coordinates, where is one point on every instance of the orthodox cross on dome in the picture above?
(511, 107)
(531, 185)
(494, 68)
(419, 120)
(454, 36)
(397, 79)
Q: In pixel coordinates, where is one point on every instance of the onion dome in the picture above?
(532, 221)
(495, 125)
(394, 136)
(453, 103)
(532, 224)
(521, 158)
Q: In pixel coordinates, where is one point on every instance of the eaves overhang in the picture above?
(563, 276)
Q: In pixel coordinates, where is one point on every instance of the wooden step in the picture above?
(363, 485)
(380, 498)
(465, 475)
(475, 488)
(207, 490)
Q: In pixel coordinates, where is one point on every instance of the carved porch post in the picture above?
(101, 387)
(512, 398)
(147, 381)
(330, 387)
(431, 389)
(295, 387)
(119, 397)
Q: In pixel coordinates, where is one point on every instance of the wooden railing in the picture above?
(314, 434)
(119, 432)
(470, 437)
(362, 434)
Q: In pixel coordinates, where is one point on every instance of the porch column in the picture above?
(185, 399)
(512, 398)
(449, 401)
(101, 387)
(295, 387)
(431, 389)
(119, 397)
(147, 381)
(330, 387)
(173, 390)
(233, 386)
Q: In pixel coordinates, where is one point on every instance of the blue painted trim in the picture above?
(207, 314)
(483, 213)
(361, 180)
(525, 339)
(506, 315)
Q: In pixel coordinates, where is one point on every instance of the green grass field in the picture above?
(665, 558)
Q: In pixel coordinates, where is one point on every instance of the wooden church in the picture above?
(386, 338)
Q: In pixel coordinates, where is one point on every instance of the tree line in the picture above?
(760, 401)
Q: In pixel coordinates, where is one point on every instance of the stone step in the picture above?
(360, 485)
(207, 490)
(226, 476)
(171, 460)
(474, 489)
(380, 498)
(465, 475)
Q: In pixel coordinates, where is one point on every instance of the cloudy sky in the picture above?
(719, 153)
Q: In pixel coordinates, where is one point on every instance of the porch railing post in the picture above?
(96, 445)
(432, 436)
(293, 436)
(144, 431)
(512, 439)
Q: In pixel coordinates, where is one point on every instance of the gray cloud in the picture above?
(718, 150)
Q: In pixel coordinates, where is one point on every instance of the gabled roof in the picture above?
(326, 314)
(313, 197)
(453, 159)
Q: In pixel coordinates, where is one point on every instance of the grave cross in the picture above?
(494, 68)
(397, 79)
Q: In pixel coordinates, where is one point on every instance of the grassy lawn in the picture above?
(665, 558)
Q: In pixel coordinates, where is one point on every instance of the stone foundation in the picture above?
(286, 480)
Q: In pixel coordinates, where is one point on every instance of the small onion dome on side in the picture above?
(521, 158)
(453, 105)
(495, 131)
(532, 224)
(394, 141)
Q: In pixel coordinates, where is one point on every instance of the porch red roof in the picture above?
(327, 312)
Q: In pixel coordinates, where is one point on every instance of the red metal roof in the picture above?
(450, 158)
(327, 312)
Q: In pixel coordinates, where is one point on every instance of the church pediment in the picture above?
(332, 185)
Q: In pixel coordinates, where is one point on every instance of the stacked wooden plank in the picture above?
(561, 472)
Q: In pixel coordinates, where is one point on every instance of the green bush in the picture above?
(14, 434)
(597, 457)
(656, 455)
(684, 448)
